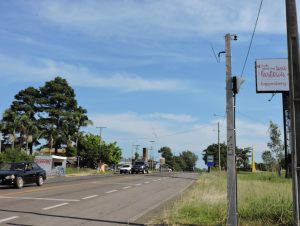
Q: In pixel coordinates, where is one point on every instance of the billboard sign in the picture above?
(272, 75)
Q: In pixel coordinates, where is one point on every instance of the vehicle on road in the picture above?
(125, 168)
(20, 173)
(140, 167)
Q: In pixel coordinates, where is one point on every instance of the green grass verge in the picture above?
(72, 171)
(263, 199)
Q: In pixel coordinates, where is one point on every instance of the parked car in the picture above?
(140, 166)
(125, 168)
(20, 173)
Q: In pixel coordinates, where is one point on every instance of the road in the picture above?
(91, 200)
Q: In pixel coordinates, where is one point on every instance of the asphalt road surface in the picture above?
(91, 200)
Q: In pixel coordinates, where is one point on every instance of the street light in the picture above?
(100, 128)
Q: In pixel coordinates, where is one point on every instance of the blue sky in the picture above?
(145, 69)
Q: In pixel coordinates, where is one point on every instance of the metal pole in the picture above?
(0, 141)
(231, 164)
(220, 168)
(294, 86)
(285, 113)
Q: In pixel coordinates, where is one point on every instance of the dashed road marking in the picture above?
(8, 219)
(46, 199)
(111, 191)
(146, 182)
(89, 197)
(137, 184)
(59, 205)
(127, 187)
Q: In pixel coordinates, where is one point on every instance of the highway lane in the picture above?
(92, 200)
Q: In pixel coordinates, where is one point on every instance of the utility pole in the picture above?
(100, 128)
(220, 168)
(231, 158)
(151, 157)
(136, 147)
(294, 86)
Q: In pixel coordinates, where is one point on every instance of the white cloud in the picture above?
(172, 117)
(19, 69)
(163, 19)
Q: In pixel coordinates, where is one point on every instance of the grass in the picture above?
(263, 199)
(72, 171)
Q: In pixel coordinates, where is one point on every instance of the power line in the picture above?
(250, 45)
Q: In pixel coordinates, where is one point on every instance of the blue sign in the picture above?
(210, 161)
(210, 164)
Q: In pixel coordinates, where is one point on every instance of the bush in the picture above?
(14, 155)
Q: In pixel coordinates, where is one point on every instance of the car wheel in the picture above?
(40, 181)
(19, 182)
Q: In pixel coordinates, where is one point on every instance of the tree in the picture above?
(275, 145)
(89, 151)
(58, 107)
(242, 157)
(190, 160)
(25, 105)
(166, 153)
(268, 160)
(179, 163)
(111, 153)
(213, 149)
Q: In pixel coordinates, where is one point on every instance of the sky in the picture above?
(146, 69)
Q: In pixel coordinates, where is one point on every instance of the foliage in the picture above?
(89, 151)
(213, 149)
(184, 161)
(166, 153)
(268, 159)
(190, 159)
(14, 155)
(111, 153)
(50, 112)
(275, 144)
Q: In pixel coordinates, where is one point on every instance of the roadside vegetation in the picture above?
(263, 199)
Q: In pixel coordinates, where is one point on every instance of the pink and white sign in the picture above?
(272, 75)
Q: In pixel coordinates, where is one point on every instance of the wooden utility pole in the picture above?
(231, 164)
(294, 86)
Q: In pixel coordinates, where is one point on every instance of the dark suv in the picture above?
(140, 166)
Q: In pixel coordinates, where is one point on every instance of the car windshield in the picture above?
(126, 166)
(11, 166)
(139, 163)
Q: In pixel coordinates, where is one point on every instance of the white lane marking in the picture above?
(8, 219)
(89, 197)
(111, 191)
(146, 182)
(158, 179)
(46, 199)
(93, 182)
(127, 187)
(51, 207)
(154, 180)
(137, 184)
